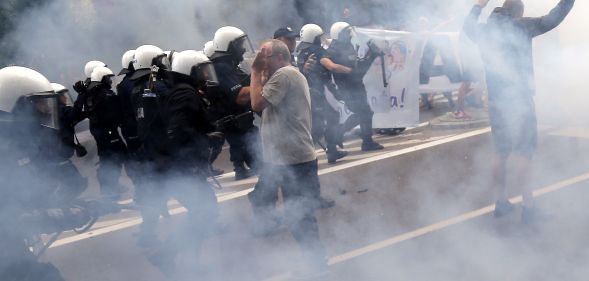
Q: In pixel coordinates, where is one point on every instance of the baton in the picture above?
(383, 70)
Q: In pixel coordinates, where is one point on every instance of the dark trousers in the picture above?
(300, 190)
(243, 147)
(325, 122)
(72, 184)
(357, 103)
(111, 154)
(192, 191)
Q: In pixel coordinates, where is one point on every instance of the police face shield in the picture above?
(65, 98)
(205, 74)
(241, 48)
(44, 109)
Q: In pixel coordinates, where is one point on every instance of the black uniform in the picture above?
(104, 111)
(146, 161)
(72, 182)
(243, 135)
(175, 162)
(325, 119)
(28, 200)
(351, 87)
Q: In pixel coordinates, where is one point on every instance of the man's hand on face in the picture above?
(483, 3)
(260, 63)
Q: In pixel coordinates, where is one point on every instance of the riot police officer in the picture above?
(128, 122)
(73, 183)
(82, 85)
(348, 72)
(209, 49)
(232, 100)
(103, 109)
(186, 158)
(325, 119)
(28, 202)
(217, 148)
(149, 88)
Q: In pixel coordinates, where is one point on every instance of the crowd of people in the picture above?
(167, 119)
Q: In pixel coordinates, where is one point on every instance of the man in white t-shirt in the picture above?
(281, 94)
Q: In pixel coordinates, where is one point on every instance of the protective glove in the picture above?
(80, 87)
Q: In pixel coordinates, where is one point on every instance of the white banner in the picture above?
(450, 57)
(396, 105)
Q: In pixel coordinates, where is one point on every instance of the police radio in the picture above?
(148, 104)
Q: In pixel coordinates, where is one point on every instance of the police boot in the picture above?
(241, 172)
(371, 146)
(333, 154)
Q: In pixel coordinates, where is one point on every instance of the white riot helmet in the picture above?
(64, 94)
(127, 59)
(170, 55)
(209, 49)
(337, 28)
(89, 67)
(310, 33)
(23, 90)
(100, 73)
(58, 88)
(196, 65)
(144, 56)
(191, 52)
(231, 41)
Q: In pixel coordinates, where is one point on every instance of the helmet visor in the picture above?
(206, 72)
(45, 109)
(243, 45)
(65, 98)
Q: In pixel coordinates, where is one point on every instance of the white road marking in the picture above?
(437, 226)
(319, 152)
(242, 193)
(575, 132)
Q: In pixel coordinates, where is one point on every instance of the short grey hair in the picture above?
(279, 48)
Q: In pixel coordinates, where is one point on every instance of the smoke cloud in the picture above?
(58, 38)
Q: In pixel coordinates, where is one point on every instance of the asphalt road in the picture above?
(420, 210)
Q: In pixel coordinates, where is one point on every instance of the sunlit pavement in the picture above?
(420, 210)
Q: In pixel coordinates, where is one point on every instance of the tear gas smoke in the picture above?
(59, 37)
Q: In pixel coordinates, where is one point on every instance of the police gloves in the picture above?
(80, 87)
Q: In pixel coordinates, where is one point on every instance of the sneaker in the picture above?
(332, 157)
(371, 146)
(502, 208)
(325, 203)
(533, 215)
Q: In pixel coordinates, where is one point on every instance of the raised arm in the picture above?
(472, 27)
(541, 25)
